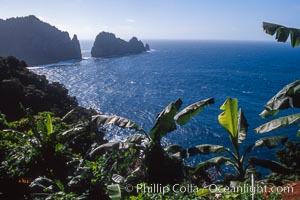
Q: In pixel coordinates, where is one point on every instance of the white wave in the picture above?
(35, 68)
(151, 50)
(247, 92)
(62, 63)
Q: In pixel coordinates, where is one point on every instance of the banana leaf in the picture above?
(287, 97)
(180, 153)
(48, 123)
(137, 138)
(192, 110)
(242, 126)
(278, 123)
(270, 28)
(205, 149)
(203, 192)
(110, 146)
(42, 183)
(229, 118)
(271, 142)
(234, 122)
(175, 149)
(114, 191)
(282, 33)
(216, 161)
(118, 178)
(73, 131)
(165, 121)
(272, 165)
(116, 121)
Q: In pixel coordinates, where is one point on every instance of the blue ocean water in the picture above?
(140, 86)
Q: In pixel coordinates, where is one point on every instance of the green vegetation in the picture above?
(283, 33)
(45, 147)
(288, 97)
(43, 156)
(235, 123)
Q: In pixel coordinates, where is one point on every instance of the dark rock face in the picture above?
(21, 89)
(36, 42)
(107, 45)
(147, 47)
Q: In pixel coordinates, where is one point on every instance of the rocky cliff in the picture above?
(107, 45)
(36, 42)
(21, 90)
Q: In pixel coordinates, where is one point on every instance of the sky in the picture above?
(160, 19)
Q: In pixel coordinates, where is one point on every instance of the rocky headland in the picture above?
(23, 91)
(36, 42)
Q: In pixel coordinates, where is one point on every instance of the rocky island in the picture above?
(36, 42)
(108, 45)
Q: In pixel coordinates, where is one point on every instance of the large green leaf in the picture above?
(270, 28)
(205, 149)
(202, 149)
(278, 123)
(114, 191)
(287, 97)
(282, 33)
(234, 122)
(229, 118)
(203, 192)
(42, 183)
(118, 178)
(73, 131)
(295, 37)
(60, 185)
(192, 110)
(270, 164)
(175, 149)
(48, 123)
(216, 161)
(242, 126)
(116, 121)
(165, 121)
(271, 142)
(137, 139)
(110, 146)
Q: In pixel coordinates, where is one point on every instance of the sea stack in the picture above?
(36, 42)
(108, 45)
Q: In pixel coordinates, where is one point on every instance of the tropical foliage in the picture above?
(283, 33)
(50, 158)
(235, 123)
(44, 148)
(288, 97)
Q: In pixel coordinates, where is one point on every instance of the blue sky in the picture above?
(160, 19)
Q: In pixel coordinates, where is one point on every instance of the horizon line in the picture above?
(187, 39)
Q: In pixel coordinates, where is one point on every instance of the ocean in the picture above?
(138, 87)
